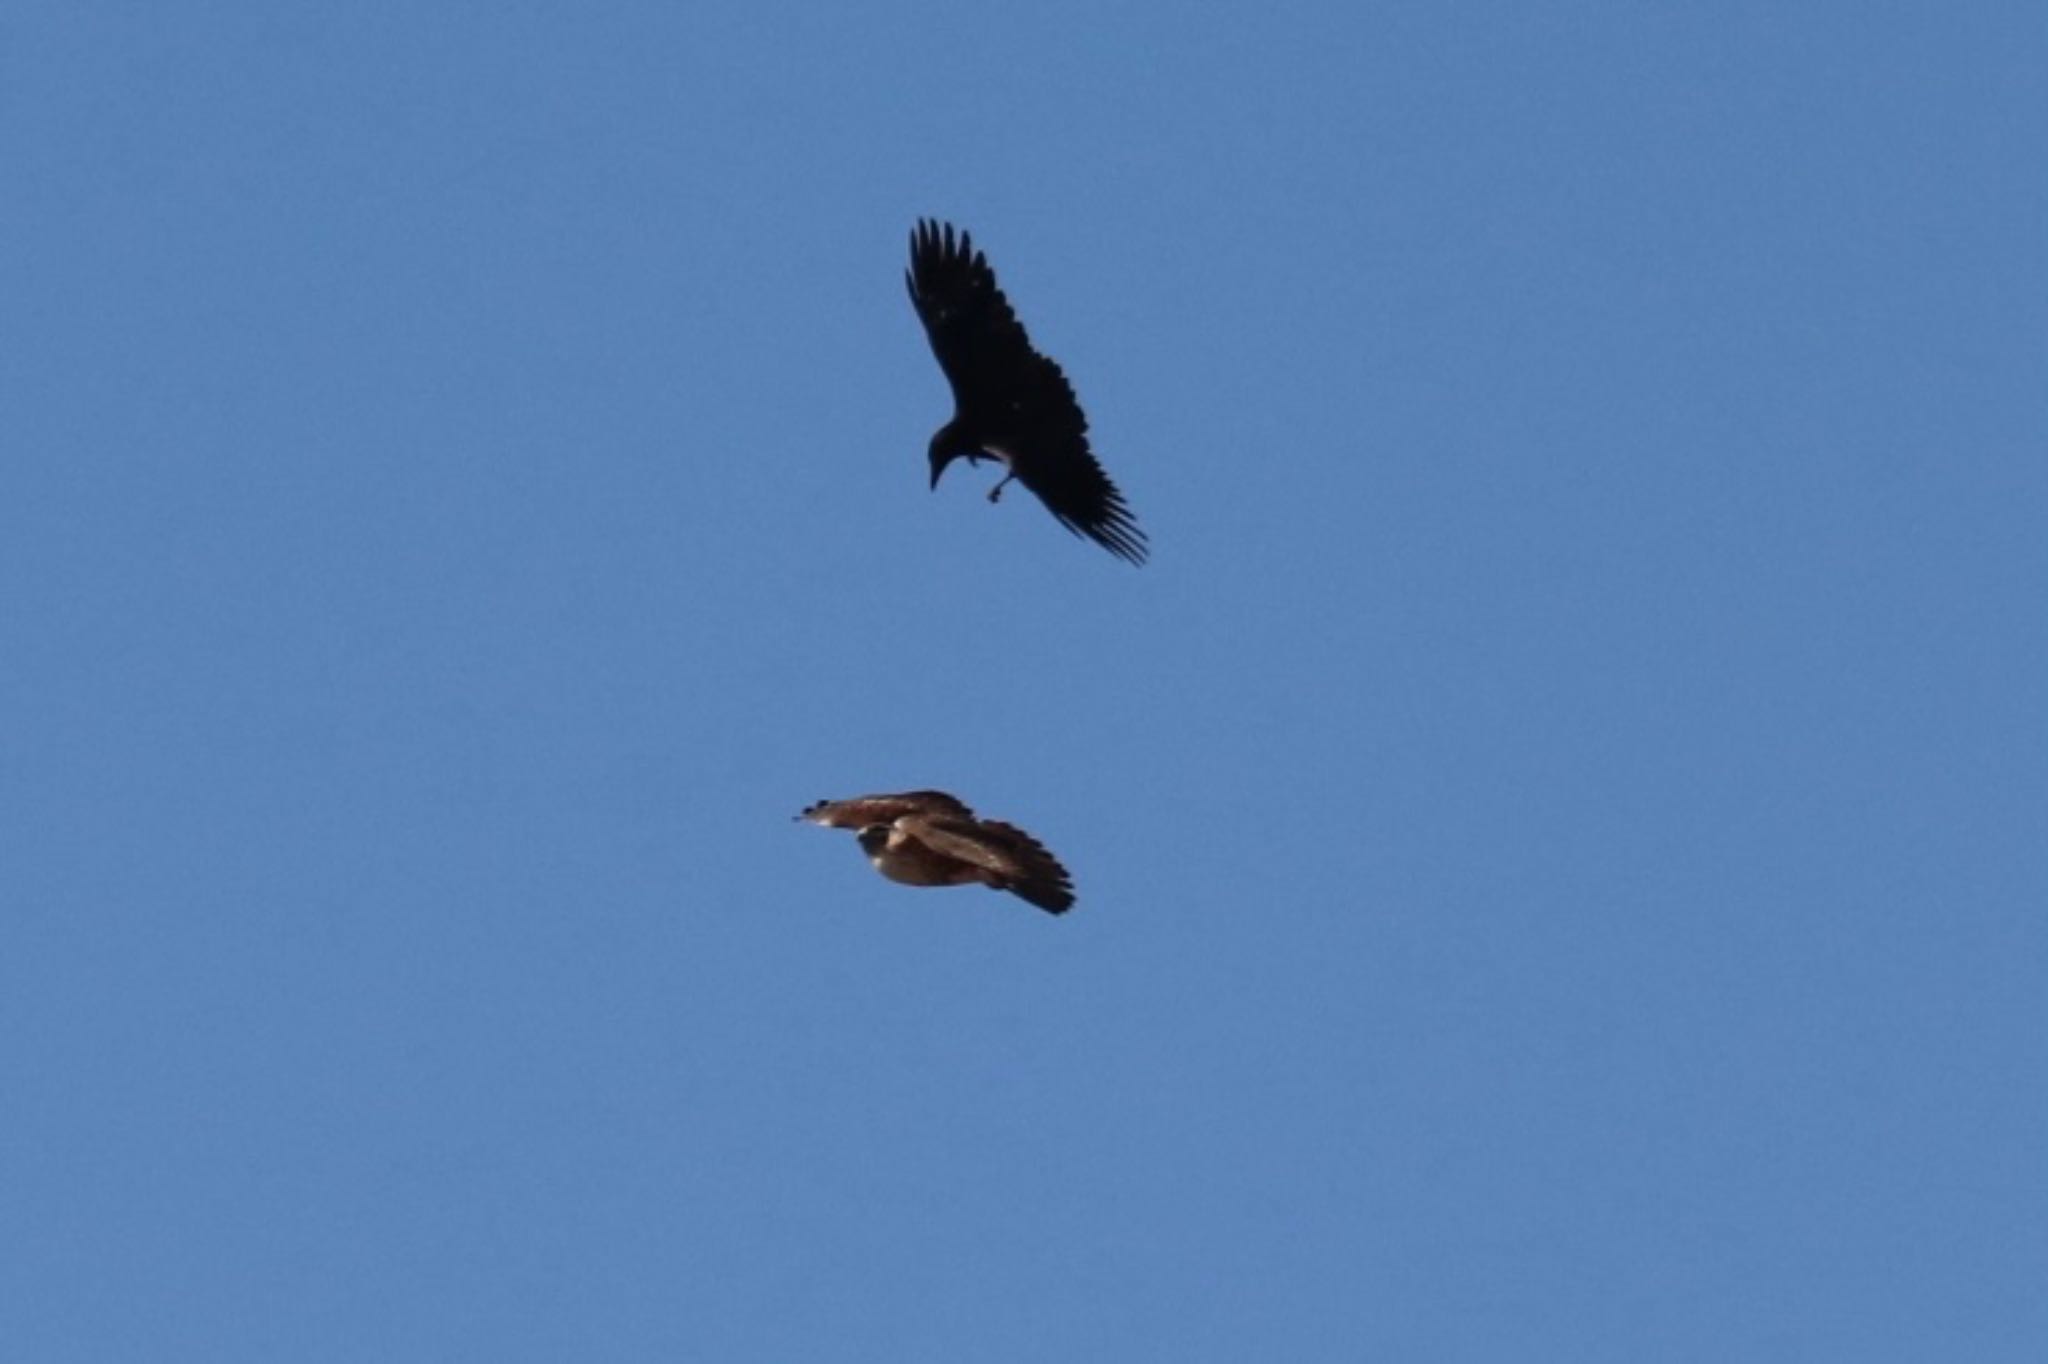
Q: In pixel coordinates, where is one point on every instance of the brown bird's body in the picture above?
(928, 838)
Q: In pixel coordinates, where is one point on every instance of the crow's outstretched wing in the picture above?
(1050, 455)
(976, 336)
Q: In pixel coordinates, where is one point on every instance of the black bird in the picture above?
(1010, 403)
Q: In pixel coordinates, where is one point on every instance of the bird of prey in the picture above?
(928, 838)
(1010, 403)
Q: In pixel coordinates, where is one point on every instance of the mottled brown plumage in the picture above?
(928, 838)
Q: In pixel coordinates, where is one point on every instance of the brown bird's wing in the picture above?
(861, 812)
(1009, 390)
(1015, 860)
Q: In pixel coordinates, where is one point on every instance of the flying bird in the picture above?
(928, 838)
(1010, 403)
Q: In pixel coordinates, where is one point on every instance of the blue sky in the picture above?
(1558, 823)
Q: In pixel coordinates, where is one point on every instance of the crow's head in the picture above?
(948, 445)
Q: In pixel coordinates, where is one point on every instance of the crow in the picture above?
(1010, 403)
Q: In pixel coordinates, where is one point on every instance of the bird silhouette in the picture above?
(1010, 403)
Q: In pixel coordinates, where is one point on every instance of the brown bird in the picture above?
(928, 838)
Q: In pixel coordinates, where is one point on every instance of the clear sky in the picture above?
(1559, 823)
